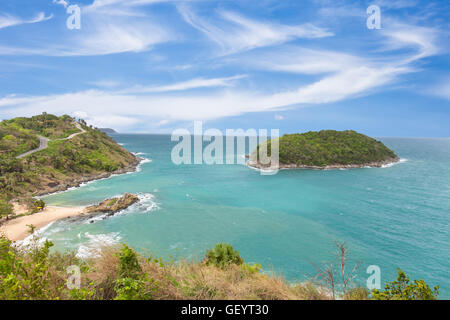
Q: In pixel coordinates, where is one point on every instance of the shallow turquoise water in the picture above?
(391, 217)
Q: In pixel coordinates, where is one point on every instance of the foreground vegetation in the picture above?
(122, 274)
(63, 163)
(331, 148)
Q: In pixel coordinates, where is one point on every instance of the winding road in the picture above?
(43, 142)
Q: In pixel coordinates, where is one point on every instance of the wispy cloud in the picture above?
(396, 4)
(332, 75)
(185, 85)
(112, 37)
(7, 20)
(102, 34)
(421, 39)
(345, 76)
(294, 59)
(61, 2)
(235, 33)
(105, 3)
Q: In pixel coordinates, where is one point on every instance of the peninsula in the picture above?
(46, 154)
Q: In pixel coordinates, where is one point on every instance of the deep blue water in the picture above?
(392, 217)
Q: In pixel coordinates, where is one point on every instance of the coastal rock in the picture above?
(376, 164)
(113, 205)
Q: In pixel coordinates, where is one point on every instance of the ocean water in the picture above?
(396, 216)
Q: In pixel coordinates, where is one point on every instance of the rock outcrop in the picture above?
(113, 205)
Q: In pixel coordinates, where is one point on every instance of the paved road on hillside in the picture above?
(43, 141)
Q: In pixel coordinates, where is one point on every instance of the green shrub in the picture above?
(24, 278)
(128, 263)
(36, 205)
(132, 284)
(88, 293)
(222, 255)
(251, 268)
(133, 289)
(404, 289)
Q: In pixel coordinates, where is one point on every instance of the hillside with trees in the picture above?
(65, 162)
(330, 149)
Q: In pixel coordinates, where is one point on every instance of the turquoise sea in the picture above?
(396, 216)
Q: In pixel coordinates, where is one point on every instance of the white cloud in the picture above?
(403, 36)
(303, 61)
(7, 20)
(203, 106)
(115, 121)
(112, 37)
(185, 85)
(105, 3)
(61, 2)
(396, 4)
(337, 75)
(346, 76)
(235, 33)
(104, 121)
(80, 114)
(114, 30)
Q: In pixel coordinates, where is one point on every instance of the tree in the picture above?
(5, 208)
(222, 255)
(404, 289)
(337, 278)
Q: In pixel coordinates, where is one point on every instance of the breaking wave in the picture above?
(95, 242)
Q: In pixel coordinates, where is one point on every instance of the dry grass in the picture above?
(120, 273)
(197, 281)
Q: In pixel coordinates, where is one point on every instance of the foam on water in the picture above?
(95, 242)
(147, 202)
(143, 161)
(394, 163)
(38, 237)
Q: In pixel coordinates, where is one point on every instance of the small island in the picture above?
(328, 149)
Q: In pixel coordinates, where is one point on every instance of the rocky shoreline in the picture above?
(377, 164)
(76, 182)
(106, 208)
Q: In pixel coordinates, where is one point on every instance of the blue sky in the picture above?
(297, 65)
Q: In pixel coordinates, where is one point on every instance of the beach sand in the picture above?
(16, 229)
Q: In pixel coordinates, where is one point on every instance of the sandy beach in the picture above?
(16, 229)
